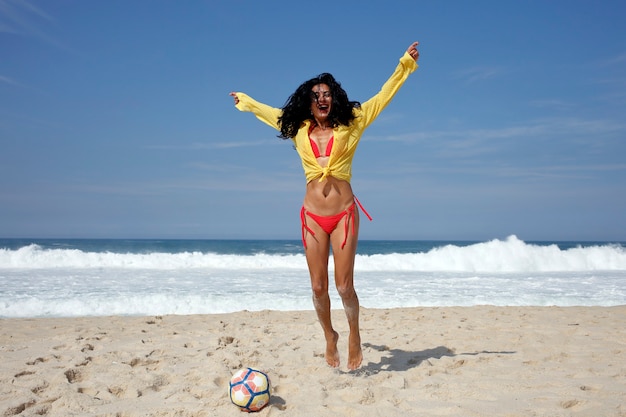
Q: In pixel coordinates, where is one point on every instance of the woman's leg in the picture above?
(317, 252)
(344, 280)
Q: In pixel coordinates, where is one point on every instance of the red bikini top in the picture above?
(316, 150)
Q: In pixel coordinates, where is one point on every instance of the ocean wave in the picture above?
(509, 255)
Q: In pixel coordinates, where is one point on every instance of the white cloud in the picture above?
(8, 80)
(196, 146)
(552, 104)
(615, 60)
(471, 75)
(539, 128)
(21, 17)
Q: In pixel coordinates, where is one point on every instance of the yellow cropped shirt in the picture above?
(346, 138)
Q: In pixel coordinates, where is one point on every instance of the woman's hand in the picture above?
(415, 54)
(234, 96)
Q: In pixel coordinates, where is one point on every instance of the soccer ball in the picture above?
(249, 389)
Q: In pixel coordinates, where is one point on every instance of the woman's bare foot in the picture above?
(355, 354)
(332, 354)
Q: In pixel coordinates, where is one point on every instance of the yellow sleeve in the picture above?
(372, 107)
(263, 112)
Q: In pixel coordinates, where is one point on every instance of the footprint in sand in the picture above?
(36, 361)
(73, 376)
(87, 348)
(225, 341)
(18, 409)
(570, 404)
(457, 364)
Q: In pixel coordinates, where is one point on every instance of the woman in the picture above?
(325, 128)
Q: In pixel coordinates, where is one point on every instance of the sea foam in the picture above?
(51, 281)
(510, 255)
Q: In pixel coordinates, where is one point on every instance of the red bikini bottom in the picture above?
(330, 223)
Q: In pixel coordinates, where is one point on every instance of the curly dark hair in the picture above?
(297, 109)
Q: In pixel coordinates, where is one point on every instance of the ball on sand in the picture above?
(249, 389)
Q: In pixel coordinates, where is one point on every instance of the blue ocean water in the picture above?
(69, 277)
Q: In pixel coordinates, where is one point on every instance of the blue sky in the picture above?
(115, 119)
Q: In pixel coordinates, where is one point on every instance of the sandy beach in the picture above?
(452, 361)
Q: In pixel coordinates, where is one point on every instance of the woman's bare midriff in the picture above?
(329, 197)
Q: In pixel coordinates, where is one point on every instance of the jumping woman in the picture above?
(325, 127)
